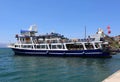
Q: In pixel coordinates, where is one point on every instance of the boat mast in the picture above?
(85, 32)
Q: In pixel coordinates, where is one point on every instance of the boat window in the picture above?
(29, 46)
(105, 46)
(38, 46)
(48, 41)
(40, 41)
(22, 40)
(59, 46)
(54, 41)
(54, 47)
(26, 46)
(16, 45)
(81, 47)
(89, 46)
(75, 46)
(69, 46)
(22, 46)
(43, 46)
(27, 40)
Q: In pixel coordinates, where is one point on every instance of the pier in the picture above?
(113, 78)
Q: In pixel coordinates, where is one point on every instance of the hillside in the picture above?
(113, 44)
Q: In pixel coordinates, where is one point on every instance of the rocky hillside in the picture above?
(114, 44)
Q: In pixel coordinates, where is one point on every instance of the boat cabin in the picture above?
(53, 41)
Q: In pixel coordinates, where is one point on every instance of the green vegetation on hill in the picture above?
(113, 44)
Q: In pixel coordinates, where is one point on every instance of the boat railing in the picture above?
(87, 40)
(49, 41)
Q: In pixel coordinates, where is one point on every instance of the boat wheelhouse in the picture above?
(54, 44)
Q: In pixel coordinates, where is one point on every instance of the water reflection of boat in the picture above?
(54, 44)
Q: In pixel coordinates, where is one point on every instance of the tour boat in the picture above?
(56, 45)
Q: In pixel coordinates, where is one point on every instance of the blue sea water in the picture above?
(55, 69)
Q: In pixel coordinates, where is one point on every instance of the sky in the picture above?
(67, 17)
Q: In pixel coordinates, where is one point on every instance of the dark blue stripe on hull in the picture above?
(62, 53)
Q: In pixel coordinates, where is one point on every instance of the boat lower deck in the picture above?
(62, 53)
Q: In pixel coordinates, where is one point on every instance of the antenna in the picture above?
(85, 32)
